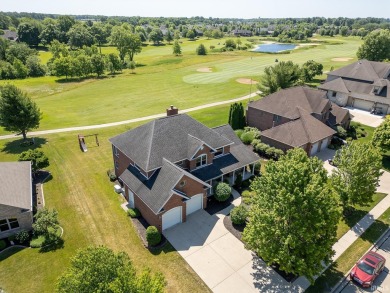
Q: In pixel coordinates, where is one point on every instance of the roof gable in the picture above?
(363, 70)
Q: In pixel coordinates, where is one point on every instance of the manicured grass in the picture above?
(90, 213)
(345, 262)
(359, 212)
(163, 80)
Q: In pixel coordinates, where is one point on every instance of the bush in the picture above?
(212, 47)
(238, 181)
(247, 137)
(111, 175)
(153, 236)
(2, 244)
(246, 183)
(255, 142)
(11, 238)
(247, 197)
(133, 213)
(239, 132)
(341, 132)
(239, 215)
(22, 236)
(257, 167)
(201, 50)
(222, 191)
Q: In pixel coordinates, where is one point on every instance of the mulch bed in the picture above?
(141, 225)
(214, 206)
(237, 230)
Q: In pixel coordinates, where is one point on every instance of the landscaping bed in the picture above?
(214, 206)
(141, 225)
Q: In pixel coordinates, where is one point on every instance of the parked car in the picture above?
(367, 269)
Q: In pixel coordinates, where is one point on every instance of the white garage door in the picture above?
(324, 144)
(171, 218)
(314, 149)
(194, 204)
(363, 105)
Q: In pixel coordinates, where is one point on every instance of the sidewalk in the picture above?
(59, 130)
(356, 231)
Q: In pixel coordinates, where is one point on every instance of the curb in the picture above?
(378, 243)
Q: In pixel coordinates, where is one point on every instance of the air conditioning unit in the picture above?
(118, 188)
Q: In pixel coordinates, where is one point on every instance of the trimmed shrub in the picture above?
(255, 142)
(222, 191)
(111, 175)
(341, 132)
(133, 213)
(2, 244)
(257, 167)
(247, 137)
(239, 215)
(153, 236)
(247, 197)
(239, 132)
(238, 181)
(22, 236)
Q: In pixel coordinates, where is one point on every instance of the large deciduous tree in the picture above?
(376, 46)
(357, 174)
(310, 69)
(28, 32)
(280, 76)
(79, 36)
(126, 42)
(294, 215)
(381, 137)
(156, 36)
(99, 269)
(18, 113)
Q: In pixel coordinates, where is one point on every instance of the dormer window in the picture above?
(218, 152)
(334, 94)
(201, 161)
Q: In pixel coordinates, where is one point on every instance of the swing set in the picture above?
(83, 145)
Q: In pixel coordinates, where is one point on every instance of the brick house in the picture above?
(297, 117)
(16, 205)
(169, 166)
(363, 85)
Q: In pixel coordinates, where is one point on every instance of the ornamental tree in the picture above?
(46, 222)
(18, 113)
(381, 137)
(357, 174)
(294, 215)
(99, 269)
(38, 159)
(310, 69)
(176, 48)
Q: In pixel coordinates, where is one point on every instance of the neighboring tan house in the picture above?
(169, 166)
(363, 85)
(16, 204)
(297, 117)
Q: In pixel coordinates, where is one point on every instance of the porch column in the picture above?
(253, 169)
(243, 173)
(234, 172)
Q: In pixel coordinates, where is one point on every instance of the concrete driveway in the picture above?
(365, 117)
(220, 259)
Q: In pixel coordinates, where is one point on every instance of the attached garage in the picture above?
(363, 105)
(194, 204)
(324, 144)
(171, 218)
(314, 148)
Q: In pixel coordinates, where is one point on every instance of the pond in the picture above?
(274, 48)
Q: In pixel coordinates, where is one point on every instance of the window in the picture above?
(276, 118)
(201, 160)
(334, 94)
(182, 183)
(218, 152)
(376, 89)
(8, 224)
(3, 225)
(115, 151)
(116, 165)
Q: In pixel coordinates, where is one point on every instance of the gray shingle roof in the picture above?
(300, 131)
(337, 115)
(363, 70)
(336, 85)
(166, 137)
(285, 102)
(16, 185)
(156, 190)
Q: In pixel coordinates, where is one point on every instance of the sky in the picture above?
(206, 8)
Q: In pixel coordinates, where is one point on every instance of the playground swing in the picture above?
(83, 145)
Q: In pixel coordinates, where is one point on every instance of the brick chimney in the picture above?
(172, 111)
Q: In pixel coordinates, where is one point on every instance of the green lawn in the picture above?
(90, 213)
(162, 80)
(345, 262)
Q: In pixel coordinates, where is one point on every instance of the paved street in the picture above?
(382, 283)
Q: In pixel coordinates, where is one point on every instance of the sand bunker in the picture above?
(205, 69)
(246, 81)
(342, 59)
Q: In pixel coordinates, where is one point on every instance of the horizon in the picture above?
(206, 9)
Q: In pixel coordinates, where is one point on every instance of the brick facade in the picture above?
(262, 120)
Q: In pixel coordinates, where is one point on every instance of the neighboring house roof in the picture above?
(337, 115)
(9, 35)
(363, 70)
(353, 86)
(156, 190)
(299, 132)
(172, 137)
(16, 185)
(240, 156)
(285, 102)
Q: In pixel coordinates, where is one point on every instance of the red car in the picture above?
(367, 269)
